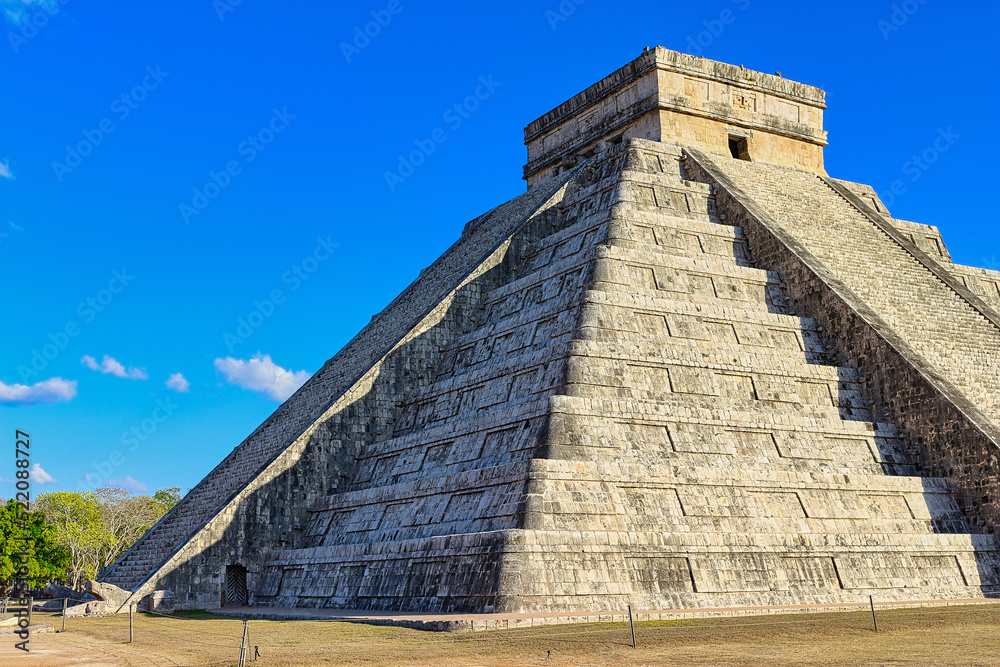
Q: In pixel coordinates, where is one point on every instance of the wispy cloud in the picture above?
(16, 228)
(17, 11)
(262, 375)
(178, 382)
(38, 475)
(53, 390)
(5, 171)
(129, 484)
(111, 366)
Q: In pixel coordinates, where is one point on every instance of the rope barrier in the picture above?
(197, 641)
(168, 617)
(159, 625)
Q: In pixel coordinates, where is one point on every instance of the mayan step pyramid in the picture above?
(685, 369)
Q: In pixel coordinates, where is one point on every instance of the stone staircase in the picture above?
(760, 460)
(638, 416)
(941, 326)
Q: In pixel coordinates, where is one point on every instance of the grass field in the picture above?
(922, 636)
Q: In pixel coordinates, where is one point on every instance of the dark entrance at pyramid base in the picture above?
(236, 586)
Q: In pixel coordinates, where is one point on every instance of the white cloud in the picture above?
(178, 382)
(129, 484)
(5, 171)
(18, 11)
(262, 375)
(39, 476)
(52, 390)
(111, 366)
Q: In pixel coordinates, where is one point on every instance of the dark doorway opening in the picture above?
(739, 148)
(236, 586)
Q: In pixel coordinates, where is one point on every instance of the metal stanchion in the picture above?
(631, 627)
(244, 643)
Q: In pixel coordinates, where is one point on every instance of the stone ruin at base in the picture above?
(685, 369)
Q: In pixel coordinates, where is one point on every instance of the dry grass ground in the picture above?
(927, 636)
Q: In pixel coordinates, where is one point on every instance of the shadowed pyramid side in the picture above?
(430, 517)
(256, 498)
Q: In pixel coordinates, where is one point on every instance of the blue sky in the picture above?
(237, 153)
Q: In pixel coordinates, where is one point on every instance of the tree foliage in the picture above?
(77, 521)
(97, 527)
(29, 546)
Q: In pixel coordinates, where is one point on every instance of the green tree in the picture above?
(78, 524)
(98, 527)
(30, 546)
(165, 499)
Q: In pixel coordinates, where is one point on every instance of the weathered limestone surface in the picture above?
(666, 376)
(954, 436)
(703, 450)
(670, 96)
(943, 326)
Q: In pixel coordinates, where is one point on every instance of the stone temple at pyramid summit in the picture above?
(686, 368)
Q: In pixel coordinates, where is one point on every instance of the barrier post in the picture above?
(631, 627)
(243, 644)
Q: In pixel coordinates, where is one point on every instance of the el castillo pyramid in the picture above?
(686, 368)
